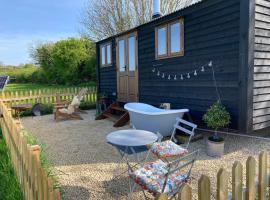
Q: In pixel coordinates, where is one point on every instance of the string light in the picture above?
(202, 69)
(186, 74)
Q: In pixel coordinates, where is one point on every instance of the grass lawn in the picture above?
(9, 186)
(32, 86)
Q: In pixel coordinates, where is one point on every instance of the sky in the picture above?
(27, 22)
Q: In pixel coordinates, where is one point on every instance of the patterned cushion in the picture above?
(167, 149)
(152, 177)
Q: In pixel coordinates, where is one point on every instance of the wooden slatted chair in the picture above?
(64, 104)
(167, 149)
(69, 112)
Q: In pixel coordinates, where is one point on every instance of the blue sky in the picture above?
(26, 22)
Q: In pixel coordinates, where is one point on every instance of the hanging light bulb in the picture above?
(202, 69)
(188, 76)
(158, 74)
(153, 70)
(175, 78)
(210, 64)
(182, 78)
(169, 77)
(195, 73)
(163, 75)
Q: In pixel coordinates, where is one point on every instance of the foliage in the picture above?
(105, 18)
(70, 61)
(9, 186)
(216, 116)
(19, 74)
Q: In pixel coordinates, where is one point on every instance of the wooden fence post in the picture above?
(222, 185)
(250, 179)
(204, 188)
(262, 175)
(185, 193)
(237, 181)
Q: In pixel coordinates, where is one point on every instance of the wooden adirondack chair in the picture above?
(69, 112)
(64, 104)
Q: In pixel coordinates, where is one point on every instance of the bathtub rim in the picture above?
(162, 112)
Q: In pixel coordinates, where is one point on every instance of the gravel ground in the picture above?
(85, 163)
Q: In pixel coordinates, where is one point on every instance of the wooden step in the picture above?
(112, 117)
(121, 118)
(118, 108)
(122, 121)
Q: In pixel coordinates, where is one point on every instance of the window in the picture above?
(106, 54)
(170, 39)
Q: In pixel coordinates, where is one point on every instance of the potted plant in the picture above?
(216, 117)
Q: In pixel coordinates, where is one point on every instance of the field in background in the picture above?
(33, 86)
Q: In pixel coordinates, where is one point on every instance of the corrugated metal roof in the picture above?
(184, 4)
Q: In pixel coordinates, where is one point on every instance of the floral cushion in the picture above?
(152, 178)
(167, 149)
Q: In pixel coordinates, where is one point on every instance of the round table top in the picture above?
(132, 138)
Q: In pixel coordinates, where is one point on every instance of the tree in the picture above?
(104, 18)
(68, 61)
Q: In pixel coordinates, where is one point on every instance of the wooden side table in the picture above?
(21, 108)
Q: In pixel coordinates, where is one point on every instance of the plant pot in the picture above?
(215, 148)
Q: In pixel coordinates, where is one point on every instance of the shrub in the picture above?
(217, 117)
(70, 61)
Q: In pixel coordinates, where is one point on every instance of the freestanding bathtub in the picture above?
(146, 117)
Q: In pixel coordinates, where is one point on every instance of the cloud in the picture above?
(14, 49)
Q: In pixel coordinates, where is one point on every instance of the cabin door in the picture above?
(127, 68)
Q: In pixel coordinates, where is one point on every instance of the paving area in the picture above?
(85, 163)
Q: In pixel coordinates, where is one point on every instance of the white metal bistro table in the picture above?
(131, 142)
(131, 138)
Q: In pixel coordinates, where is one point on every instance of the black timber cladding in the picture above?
(211, 33)
(107, 83)
(261, 91)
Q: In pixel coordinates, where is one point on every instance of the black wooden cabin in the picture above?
(233, 34)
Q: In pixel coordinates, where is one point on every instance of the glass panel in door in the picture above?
(131, 53)
(122, 62)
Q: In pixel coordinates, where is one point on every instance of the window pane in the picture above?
(175, 38)
(131, 54)
(109, 59)
(121, 46)
(162, 43)
(103, 55)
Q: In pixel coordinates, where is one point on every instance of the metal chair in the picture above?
(169, 148)
(163, 177)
